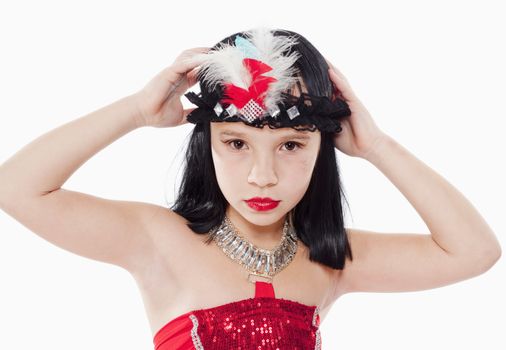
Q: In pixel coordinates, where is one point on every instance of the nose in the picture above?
(263, 172)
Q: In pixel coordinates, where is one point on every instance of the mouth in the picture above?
(262, 204)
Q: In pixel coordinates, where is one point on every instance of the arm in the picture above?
(30, 190)
(46, 163)
(455, 225)
(117, 232)
(460, 245)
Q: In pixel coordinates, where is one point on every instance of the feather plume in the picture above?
(225, 64)
(271, 51)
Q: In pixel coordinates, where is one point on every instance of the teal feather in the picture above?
(249, 50)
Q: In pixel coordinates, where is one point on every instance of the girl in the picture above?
(254, 251)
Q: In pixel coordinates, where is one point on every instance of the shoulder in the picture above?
(324, 280)
(169, 234)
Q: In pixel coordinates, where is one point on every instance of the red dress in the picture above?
(262, 322)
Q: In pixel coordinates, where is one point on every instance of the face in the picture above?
(253, 162)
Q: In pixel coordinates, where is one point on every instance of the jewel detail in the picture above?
(293, 112)
(218, 109)
(262, 263)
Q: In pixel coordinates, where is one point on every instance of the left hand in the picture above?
(360, 134)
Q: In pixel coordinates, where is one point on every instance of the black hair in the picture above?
(318, 218)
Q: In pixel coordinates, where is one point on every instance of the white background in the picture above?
(431, 73)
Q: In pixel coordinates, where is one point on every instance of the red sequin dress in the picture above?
(260, 323)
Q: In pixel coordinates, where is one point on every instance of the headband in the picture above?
(249, 81)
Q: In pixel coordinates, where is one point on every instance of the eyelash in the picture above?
(299, 145)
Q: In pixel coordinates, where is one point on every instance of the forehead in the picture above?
(239, 129)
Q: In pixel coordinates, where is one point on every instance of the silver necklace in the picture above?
(262, 264)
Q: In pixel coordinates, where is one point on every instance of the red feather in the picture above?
(256, 91)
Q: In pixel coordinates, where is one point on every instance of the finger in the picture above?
(338, 73)
(339, 79)
(186, 61)
(190, 59)
(342, 86)
(192, 76)
(184, 83)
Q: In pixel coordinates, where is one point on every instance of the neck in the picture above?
(265, 237)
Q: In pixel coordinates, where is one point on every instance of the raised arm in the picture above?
(460, 243)
(111, 231)
(30, 189)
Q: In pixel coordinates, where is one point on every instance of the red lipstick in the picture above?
(262, 204)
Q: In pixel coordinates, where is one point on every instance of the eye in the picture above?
(298, 145)
(236, 142)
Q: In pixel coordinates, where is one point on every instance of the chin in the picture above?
(262, 218)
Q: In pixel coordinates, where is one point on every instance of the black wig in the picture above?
(318, 218)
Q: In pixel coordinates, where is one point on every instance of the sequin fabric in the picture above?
(259, 323)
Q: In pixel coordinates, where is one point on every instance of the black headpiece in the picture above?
(250, 80)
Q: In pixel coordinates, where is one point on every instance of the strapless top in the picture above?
(262, 322)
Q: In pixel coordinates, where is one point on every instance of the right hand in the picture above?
(159, 103)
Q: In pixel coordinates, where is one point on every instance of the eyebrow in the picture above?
(302, 136)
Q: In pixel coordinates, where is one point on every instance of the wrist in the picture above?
(137, 116)
(380, 148)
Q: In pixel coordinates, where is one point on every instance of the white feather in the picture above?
(225, 63)
(271, 49)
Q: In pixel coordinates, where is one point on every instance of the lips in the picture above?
(266, 200)
(262, 204)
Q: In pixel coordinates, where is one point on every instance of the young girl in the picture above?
(254, 251)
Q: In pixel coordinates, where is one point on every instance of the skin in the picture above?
(261, 168)
(461, 245)
(263, 163)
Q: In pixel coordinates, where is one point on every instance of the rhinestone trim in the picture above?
(318, 341)
(195, 337)
(315, 314)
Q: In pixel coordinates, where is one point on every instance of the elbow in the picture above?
(497, 252)
(490, 256)
(489, 249)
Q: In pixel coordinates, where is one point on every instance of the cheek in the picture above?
(297, 175)
(226, 170)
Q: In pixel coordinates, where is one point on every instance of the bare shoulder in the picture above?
(107, 230)
(171, 241)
